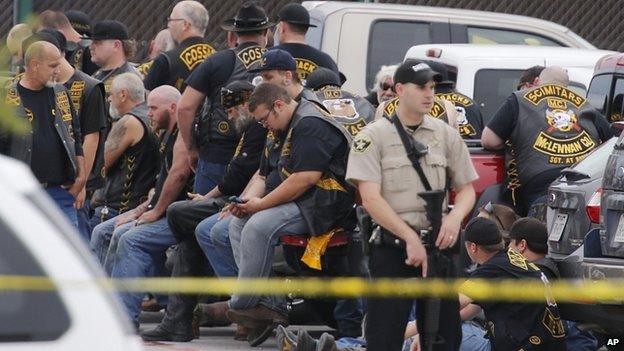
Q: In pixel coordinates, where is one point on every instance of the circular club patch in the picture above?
(361, 143)
(535, 340)
(223, 127)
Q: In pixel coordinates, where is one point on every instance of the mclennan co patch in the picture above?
(361, 143)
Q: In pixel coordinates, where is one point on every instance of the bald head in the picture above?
(162, 105)
(16, 36)
(42, 60)
(554, 75)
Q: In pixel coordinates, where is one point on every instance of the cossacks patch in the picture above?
(250, 55)
(196, 54)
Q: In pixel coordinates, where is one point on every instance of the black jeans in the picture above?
(188, 260)
(387, 317)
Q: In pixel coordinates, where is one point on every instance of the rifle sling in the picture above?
(411, 151)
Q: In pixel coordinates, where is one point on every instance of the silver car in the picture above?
(574, 206)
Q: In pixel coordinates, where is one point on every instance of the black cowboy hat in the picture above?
(250, 17)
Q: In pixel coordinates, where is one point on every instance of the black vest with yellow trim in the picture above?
(166, 144)
(550, 132)
(80, 86)
(437, 111)
(216, 134)
(144, 68)
(352, 111)
(20, 145)
(129, 180)
(183, 60)
(329, 203)
(469, 120)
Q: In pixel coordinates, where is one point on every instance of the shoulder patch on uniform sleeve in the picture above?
(361, 143)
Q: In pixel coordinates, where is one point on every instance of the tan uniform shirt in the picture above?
(378, 155)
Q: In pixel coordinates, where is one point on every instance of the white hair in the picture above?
(195, 13)
(132, 84)
(164, 41)
(384, 72)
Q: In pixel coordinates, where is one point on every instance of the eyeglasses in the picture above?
(169, 19)
(263, 121)
(385, 86)
(489, 208)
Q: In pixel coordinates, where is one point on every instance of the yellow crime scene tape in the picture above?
(611, 291)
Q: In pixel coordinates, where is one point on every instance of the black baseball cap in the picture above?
(236, 93)
(80, 21)
(442, 69)
(296, 14)
(276, 59)
(64, 45)
(110, 29)
(417, 72)
(322, 77)
(483, 231)
(533, 231)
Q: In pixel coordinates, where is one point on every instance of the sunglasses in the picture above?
(384, 86)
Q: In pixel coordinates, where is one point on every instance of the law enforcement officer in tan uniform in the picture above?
(389, 184)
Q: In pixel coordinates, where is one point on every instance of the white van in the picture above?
(490, 73)
(37, 240)
(361, 37)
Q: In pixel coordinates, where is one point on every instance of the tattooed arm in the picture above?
(126, 132)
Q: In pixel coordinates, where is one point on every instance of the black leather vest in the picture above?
(107, 77)
(183, 60)
(216, 134)
(352, 111)
(469, 121)
(129, 180)
(329, 203)
(166, 144)
(80, 86)
(20, 145)
(550, 132)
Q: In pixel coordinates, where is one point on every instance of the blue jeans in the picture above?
(101, 238)
(99, 217)
(208, 175)
(213, 237)
(139, 250)
(579, 340)
(65, 201)
(473, 338)
(253, 241)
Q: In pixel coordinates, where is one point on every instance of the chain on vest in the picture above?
(129, 180)
(214, 126)
(331, 198)
(184, 59)
(550, 132)
(437, 111)
(352, 111)
(469, 118)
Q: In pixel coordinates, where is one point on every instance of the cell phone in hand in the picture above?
(237, 200)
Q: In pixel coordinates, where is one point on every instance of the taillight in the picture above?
(593, 207)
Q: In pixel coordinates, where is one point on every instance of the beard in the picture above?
(242, 122)
(113, 112)
(51, 83)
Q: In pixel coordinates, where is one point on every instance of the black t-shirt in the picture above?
(49, 158)
(314, 144)
(158, 73)
(305, 52)
(214, 72)
(512, 323)
(245, 162)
